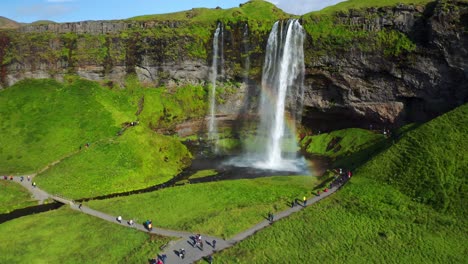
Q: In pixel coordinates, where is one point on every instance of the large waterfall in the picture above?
(274, 146)
(212, 125)
(282, 95)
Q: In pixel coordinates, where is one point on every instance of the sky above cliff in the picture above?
(77, 10)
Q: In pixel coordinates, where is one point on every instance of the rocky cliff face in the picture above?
(352, 85)
(386, 66)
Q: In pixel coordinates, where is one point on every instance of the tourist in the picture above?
(22, 178)
(79, 206)
(182, 253)
(163, 258)
(29, 178)
(34, 184)
(209, 259)
(11, 177)
(305, 200)
(119, 219)
(213, 243)
(130, 222)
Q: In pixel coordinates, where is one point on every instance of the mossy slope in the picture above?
(429, 163)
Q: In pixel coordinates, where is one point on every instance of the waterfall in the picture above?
(245, 43)
(212, 125)
(281, 97)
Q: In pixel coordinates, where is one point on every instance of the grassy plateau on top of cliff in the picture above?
(346, 6)
(254, 9)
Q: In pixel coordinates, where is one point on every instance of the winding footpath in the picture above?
(183, 239)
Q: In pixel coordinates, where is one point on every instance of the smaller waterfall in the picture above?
(246, 45)
(212, 124)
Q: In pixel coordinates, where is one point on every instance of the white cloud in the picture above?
(300, 7)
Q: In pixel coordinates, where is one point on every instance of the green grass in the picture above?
(347, 148)
(345, 6)
(138, 159)
(203, 174)
(258, 10)
(14, 196)
(429, 163)
(66, 236)
(365, 221)
(221, 208)
(380, 215)
(43, 120)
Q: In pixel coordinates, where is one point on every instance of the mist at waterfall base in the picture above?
(274, 146)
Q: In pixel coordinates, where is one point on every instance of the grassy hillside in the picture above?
(348, 148)
(345, 6)
(221, 208)
(66, 236)
(429, 163)
(14, 196)
(46, 121)
(138, 159)
(43, 120)
(256, 9)
(405, 205)
(365, 221)
(6, 23)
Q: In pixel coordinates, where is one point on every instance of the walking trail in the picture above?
(183, 239)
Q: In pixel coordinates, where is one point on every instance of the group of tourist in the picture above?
(341, 178)
(160, 259)
(21, 179)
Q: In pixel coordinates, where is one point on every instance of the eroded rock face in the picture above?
(349, 86)
(367, 88)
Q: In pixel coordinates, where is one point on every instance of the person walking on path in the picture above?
(29, 178)
(213, 243)
(79, 206)
(305, 200)
(34, 184)
(119, 219)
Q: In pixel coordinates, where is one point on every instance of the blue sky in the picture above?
(77, 10)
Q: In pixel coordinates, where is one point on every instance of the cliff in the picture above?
(387, 65)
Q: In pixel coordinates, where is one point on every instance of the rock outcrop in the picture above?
(391, 66)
